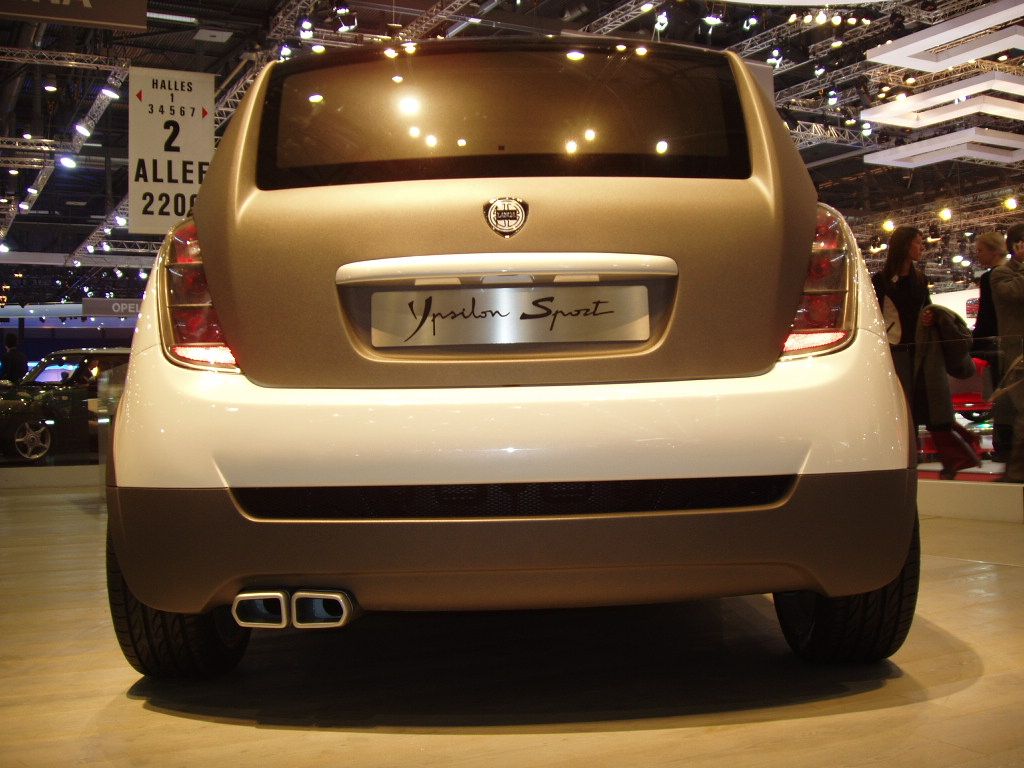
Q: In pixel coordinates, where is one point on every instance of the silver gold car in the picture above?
(507, 324)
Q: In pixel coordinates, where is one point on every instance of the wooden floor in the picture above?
(702, 684)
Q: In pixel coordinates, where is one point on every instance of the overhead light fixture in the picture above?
(1010, 203)
(821, 18)
(82, 130)
(945, 214)
(173, 17)
(32, 191)
(121, 221)
(68, 162)
(713, 19)
(49, 84)
(110, 93)
(318, 48)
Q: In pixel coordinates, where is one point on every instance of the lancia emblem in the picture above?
(506, 215)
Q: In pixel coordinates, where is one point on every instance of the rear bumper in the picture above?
(837, 413)
(187, 550)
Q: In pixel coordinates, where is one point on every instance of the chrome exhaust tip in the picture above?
(261, 610)
(320, 610)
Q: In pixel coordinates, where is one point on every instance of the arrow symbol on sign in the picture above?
(139, 95)
(205, 113)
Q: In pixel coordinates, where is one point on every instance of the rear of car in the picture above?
(505, 325)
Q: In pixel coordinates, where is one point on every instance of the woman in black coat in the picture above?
(902, 291)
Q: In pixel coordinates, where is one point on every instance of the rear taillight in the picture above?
(191, 329)
(824, 317)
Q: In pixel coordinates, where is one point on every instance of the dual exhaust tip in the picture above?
(303, 610)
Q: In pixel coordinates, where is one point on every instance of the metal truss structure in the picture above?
(118, 71)
(446, 10)
(620, 16)
(808, 134)
(971, 213)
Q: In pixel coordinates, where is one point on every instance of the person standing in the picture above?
(991, 252)
(13, 364)
(1008, 295)
(902, 292)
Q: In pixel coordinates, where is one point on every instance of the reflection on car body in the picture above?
(48, 410)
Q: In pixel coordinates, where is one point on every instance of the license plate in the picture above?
(513, 315)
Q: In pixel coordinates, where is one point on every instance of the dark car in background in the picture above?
(48, 410)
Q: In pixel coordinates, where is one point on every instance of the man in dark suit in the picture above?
(991, 252)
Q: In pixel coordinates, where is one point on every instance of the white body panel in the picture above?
(839, 412)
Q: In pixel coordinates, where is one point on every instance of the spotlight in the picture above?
(50, 84)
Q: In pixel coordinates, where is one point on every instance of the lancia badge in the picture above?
(506, 215)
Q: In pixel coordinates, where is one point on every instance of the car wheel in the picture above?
(31, 440)
(856, 628)
(172, 645)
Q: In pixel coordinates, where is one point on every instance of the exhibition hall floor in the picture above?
(703, 684)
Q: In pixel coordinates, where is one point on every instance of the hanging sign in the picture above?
(111, 307)
(170, 145)
(109, 14)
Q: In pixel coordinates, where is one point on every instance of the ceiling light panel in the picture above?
(982, 144)
(952, 102)
(914, 51)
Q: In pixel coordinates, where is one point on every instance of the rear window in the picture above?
(479, 110)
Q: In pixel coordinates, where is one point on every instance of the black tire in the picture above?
(857, 628)
(172, 645)
(30, 441)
